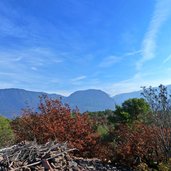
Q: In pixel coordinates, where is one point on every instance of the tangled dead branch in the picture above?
(52, 156)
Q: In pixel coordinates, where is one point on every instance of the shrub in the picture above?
(6, 134)
(55, 121)
(137, 143)
(163, 167)
(142, 167)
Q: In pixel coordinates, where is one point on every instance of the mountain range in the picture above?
(13, 100)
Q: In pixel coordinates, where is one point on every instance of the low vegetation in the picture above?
(56, 121)
(136, 134)
(6, 133)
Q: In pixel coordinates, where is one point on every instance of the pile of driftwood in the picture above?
(52, 156)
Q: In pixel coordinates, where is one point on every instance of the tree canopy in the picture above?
(133, 109)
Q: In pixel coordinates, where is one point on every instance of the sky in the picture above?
(61, 46)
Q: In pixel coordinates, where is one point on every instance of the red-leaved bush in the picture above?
(56, 121)
(138, 143)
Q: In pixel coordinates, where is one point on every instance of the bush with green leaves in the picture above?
(131, 110)
(6, 133)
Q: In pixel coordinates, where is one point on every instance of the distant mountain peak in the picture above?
(12, 100)
(89, 92)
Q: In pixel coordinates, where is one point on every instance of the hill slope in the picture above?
(13, 100)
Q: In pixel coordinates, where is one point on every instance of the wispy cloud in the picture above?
(134, 84)
(109, 61)
(26, 66)
(82, 77)
(9, 28)
(132, 53)
(31, 56)
(34, 68)
(28, 29)
(167, 59)
(8, 74)
(160, 15)
(9, 18)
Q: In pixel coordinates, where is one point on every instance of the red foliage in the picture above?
(138, 143)
(105, 151)
(55, 121)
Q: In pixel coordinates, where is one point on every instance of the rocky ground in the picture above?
(96, 164)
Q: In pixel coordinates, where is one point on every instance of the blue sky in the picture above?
(60, 46)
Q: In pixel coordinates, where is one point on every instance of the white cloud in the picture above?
(109, 61)
(167, 59)
(6, 74)
(7, 27)
(134, 84)
(133, 53)
(154, 77)
(17, 67)
(31, 56)
(160, 15)
(82, 77)
(34, 68)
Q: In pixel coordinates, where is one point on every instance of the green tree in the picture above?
(133, 109)
(6, 134)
